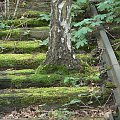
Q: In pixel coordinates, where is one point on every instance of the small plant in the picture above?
(45, 17)
(44, 42)
(81, 29)
(26, 33)
(78, 7)
(70, 81)
(111, 7)
(60, 114)
(3, 26)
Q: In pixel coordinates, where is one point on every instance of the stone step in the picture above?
(18, 61)
(20, 47)
(23, 34)
(31, 14)
(29, 61)
(31, 80)
(57, 96)
(25, 6)
(26, 22)
(17, 72)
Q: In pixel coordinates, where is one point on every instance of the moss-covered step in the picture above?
(35, 5)
(6, 80)
(27, 61)
(18, 61)
(33, 80)
(31, 14)
(22, 34)
(26, 22)
(24, 6)
(22, 47)
(49, 75)
(17, 72)
(25, 79)
(50, 96)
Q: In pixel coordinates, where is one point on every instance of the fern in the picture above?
(112, 10)
(111, 14)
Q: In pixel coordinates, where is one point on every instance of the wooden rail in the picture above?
(109, 59)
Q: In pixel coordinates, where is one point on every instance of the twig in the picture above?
(116, 44)
(16, 8)
(108, 99)
(110, 34)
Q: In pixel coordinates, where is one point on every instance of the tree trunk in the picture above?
(59, 48)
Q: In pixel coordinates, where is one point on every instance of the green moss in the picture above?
(31, 13)
(54, 76)
(109, 85)
(37, 80)
(87, 73)
(22, 46)
(47, 69)
(20, 72)
(32, 60)
(21, 60)
(85, 57)
(57, 95)
(30, 22)
(24, 34)
(12, 32)
(48, 80)
(41, 28)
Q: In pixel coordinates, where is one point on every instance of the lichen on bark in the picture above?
(60, 50)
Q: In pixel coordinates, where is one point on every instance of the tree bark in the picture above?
(59, 48)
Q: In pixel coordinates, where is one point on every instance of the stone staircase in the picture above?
(20, 49)
(21, 52)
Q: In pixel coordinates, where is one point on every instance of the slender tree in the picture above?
(59, 48)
